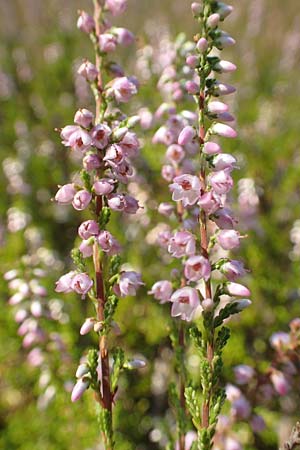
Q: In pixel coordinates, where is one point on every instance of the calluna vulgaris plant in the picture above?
(106, 144)
(203, 291)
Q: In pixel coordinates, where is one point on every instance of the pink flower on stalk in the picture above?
(175, 154)
(221, 129)
(88, 228)
(210, 202)
(185, 302)
(35, 357)
(182, 243)
(86, 248)
(237, 289)
(122, 202)
(280, 382)
(224, 219)
(233, 269)
(87, 326)
(130, 144)
(85, 22)
(91, 162)
(100, 135)
(108, 243)
(196, 268)
(186, 135)
(81, 283)
(186, 188)
(124, 36)
(65, 194)
(116, 7)
(63, 284)
(81, 200)
(77, 138)
(221, 182)
(88, 71)
(220, 88)
(84, 118)
(104, 186)
(202, 45)
(243, 373)
(128, 284)
(168, 172)
(224, 161)
(78, 390)
(163, 238)
(123, 89)
(165, 208)
(162, 290)
(216, 107)
(224, 67)
(107, 43)
(211, 148)
(229, 239)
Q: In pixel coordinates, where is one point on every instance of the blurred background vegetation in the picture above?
(39, 91)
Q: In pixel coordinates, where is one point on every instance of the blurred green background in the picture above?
(39, 90)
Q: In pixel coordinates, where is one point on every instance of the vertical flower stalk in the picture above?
(106, 144)
(200, 181)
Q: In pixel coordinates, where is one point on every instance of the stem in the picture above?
(106, 397)
(181, 342)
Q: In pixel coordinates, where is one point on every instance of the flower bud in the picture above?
(213, 20)
(202, 45)
(186, 135)
(82, 370)
(192, 61)
(196, 8)
(84, 118)
(65, 194)
(216, 107)
(135, 364)
(224, 10)
(243, 304)
(211, 148)
(87, 326)
(81, 200)
(88, 71)
(223, 130)
(80, 387)
(192, 87)
(85, 22)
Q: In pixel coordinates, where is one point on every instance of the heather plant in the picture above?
(105, 145)
(203, 290)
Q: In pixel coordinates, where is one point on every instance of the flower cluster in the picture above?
(200, 180)
(106, 144)
(259, 388)
(34, 312)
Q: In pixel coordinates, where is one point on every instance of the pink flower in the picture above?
(233, 269)
(196, 268)
(240, 408)
(116, 7)
(185, 302)
(186, 135)
(84, 118)
(107, 42)
(78, 390)
(165, 209)
(88, 71)
(224, 10)
(168, 172)
(81, 200)
(211, 148)
(221, 182)
(77, 138)
(162, 290)
(65, 194)
(224, 40)
(81, 283)
(224, 219)
(128, 284)
(123, 89)
(124, 36)
(35, 357)
(104, 186)
(196, 8)
(86, 248)
(223, 130)
(64, 282)
(192, 61)
(182, 244)
(210, 202)
(175, 154)
(108, 243)
(192, 87)
(228, 239)
(220, 88)
(91, 162)
(224, 161)
(88, 228)
(224, 67)
(100, 135)
(122, 202)
(186, 188)
(213, 20)
(243, 374)
(130, 144)
(237, 289)
(216, 107)
(85, 22)
(163, 238)
(202, 45)
(280, 382)
(280, 340)
(87, 326)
